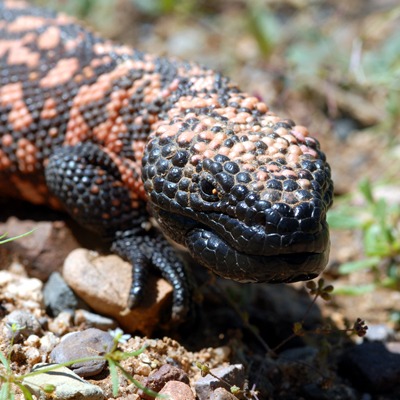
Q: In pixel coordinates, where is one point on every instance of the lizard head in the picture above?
(247, 196)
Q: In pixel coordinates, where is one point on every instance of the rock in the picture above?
(306, 354)
(67, 385)
(91, 342)
(33, 356)
(393, 347)
(313, 391)
(274, 310)
(103, 282)
(44, 250)
(92, 320)
(26, 324)
(234, 374)
(177, 391)
(157, 380)
(33, 341)
(19, 289)
(62, 323)
(372, 367)
(58, 296)
(48, 341)
(379, 333)
(222, 394)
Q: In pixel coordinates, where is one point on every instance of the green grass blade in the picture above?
(355, 290)
(366, 190)
(25, 391)
(114, 376)
(354, 266)
(4, 361)
(133, 353)
(344, 219)
(376, 241)
(146, 390)
(15, 237)
(5, 392)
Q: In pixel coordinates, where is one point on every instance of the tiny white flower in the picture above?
(119, 335)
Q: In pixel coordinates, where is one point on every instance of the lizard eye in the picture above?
(208, 189)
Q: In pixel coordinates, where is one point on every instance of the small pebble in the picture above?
(26, 325)
(17, 287)
(143, 369)
(157, 380)
(177, 391)
(33, 341)
(58, 296)
(222, 394)
(92, 320)
(221, 354)
(48, 342)
(67, 385)
(62, 323)
(87, 343)
(379, 333)
(33, 356)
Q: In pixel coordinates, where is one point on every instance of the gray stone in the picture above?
(305, 354)
(379, 333)
(88, 343)
(67, 384)
(234, 374)
(93, 320)
(26, 323)
(58, 296)
(314, 391)
(372, 367)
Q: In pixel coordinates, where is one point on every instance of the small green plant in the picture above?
(7, 377)
(5, 239)
(318, 289)
(235, 390)
(114, 357)
(379, 224)
(9, 380)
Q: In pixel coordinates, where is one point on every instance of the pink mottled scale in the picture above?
(90, 87)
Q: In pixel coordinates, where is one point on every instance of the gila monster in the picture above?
(114, 135)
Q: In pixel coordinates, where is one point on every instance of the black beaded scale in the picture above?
(110, 133)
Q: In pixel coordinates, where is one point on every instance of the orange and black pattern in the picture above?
(110, 133)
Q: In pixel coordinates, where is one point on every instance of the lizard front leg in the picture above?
(88, 183)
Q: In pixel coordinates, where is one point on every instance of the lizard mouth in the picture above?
(215, 253)
(243, 253)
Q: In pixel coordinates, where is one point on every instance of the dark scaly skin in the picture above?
(83, 122)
